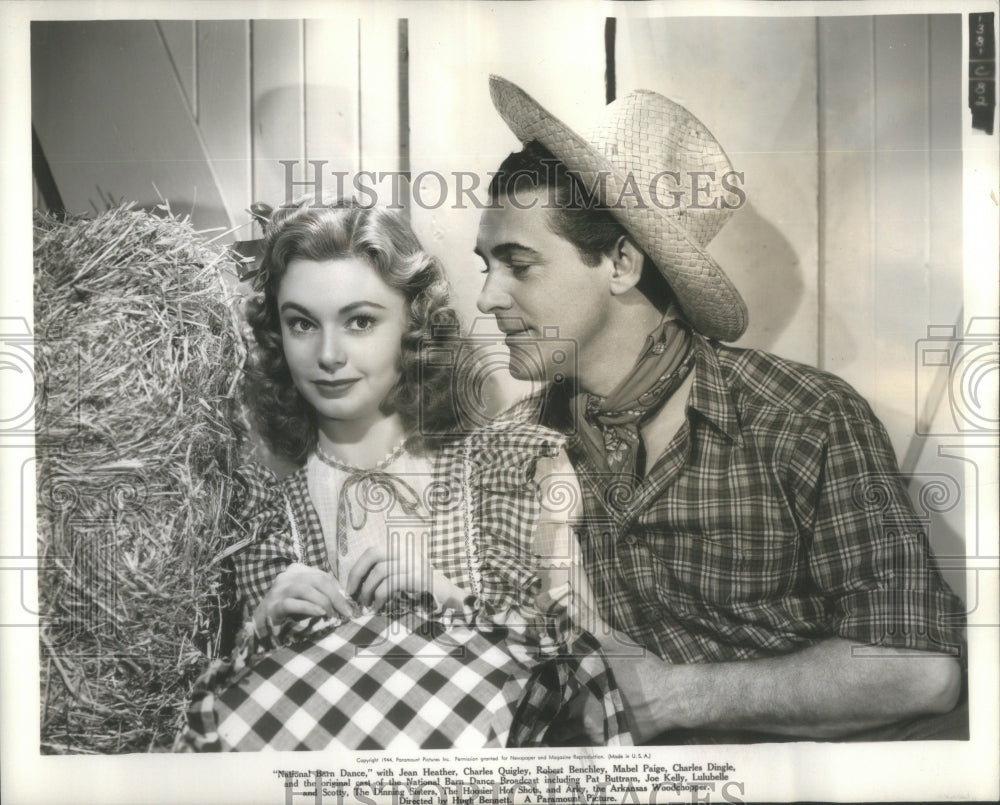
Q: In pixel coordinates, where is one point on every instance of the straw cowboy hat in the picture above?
(662, 174)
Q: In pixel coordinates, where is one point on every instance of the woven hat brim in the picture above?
(707, 296)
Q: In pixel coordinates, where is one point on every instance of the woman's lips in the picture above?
(334, 388)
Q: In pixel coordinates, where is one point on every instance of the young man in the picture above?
(755, 561)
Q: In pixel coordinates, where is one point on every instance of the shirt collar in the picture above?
(710, 396)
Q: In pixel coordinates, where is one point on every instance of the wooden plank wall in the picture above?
(228, 99)
(849, 247)
(454, 127)
(224, 106)
(891, 132)
(115, 121)
(890, 101)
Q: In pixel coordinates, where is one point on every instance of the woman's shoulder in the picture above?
(258, 474)
(509, 433)
(258, 486)
(503, 453)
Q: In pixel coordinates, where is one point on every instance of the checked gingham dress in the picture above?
(495, 672)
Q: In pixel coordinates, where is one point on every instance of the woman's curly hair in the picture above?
(423, 396)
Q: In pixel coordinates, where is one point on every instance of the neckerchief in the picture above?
(663, 364)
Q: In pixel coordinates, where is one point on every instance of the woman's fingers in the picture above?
(374, 568)
(296, 607)
(328, 587)
(303, 591)
(380, 574)
(297, 601)
(381, 595)
(362, 567)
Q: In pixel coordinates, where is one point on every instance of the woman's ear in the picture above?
(627, 260)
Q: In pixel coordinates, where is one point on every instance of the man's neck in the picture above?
(613, 355)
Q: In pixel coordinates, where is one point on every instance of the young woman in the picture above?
(401, 535)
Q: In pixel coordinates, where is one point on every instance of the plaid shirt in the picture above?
(775, 518)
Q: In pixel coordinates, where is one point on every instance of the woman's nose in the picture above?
(331, 352)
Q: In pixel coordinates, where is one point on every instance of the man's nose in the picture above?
(331, 352)
(493, 297)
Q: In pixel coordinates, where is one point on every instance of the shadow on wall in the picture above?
(768, 273)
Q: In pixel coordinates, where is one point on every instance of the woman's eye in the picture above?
(361, 323)
(298, 325)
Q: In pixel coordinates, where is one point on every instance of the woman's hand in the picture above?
(300, 591)
(376, 576)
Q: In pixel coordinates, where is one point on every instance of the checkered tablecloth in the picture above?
(379, 682)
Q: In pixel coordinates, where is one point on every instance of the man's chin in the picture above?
(535, 378)
(525, 363)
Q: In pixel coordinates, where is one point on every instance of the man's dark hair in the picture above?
(576, 213)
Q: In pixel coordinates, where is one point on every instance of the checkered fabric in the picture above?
(498, 673)
(404, 681)
(775, 518)
(375, 684)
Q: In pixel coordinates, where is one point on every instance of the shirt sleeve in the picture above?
(259, 511)
(867, 548)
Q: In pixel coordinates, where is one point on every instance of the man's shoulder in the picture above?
(761, 378)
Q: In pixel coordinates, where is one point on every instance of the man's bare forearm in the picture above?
(824, 691)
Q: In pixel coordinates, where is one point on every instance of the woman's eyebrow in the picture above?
(345, 310)
(363, 303)
(295, 306)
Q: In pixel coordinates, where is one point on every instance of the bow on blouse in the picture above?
(377, 486)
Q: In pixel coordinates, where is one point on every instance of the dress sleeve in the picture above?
(259, 512)
(506, 500)
(561, 568)
(867, 548)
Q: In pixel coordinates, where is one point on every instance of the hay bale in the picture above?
(137, 358)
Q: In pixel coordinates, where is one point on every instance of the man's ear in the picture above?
(626, 265)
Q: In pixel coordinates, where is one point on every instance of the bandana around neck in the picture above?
(664, 363)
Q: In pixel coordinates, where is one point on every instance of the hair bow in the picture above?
(248, 253)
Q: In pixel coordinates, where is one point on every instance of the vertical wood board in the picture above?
(277, 114)
(224, 112)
